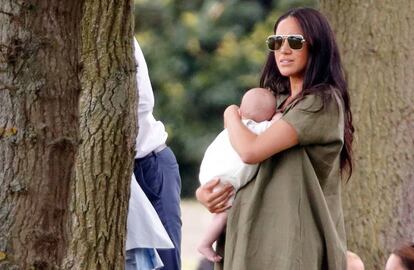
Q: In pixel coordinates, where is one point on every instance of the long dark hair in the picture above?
(406, 254)
(323, 73)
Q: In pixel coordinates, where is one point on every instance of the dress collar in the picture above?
(280, 100)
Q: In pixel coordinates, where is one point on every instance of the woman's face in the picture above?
(290, 62)
(394, 263)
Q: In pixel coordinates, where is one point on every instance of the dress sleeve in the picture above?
(315, 122)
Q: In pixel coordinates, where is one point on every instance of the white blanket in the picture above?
(222, 161)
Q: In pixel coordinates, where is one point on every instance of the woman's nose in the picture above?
(285, 47)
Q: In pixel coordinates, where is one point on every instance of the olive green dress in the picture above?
(290, 216)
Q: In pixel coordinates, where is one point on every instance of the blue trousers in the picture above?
(159, 178)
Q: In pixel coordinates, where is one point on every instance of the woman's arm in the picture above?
(254, 148)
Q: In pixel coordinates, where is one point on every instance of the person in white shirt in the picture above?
(156, 171)
(258, 111)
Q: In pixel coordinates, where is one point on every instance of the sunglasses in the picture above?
(275, 42)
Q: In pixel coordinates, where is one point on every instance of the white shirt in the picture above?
(144, 227)
(151, 133)
(222, 161)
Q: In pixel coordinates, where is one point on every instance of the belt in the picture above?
(159, 148)
(153, 152)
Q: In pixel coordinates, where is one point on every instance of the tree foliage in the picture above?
(202, 56)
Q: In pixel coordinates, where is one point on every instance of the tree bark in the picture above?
(67, 92)
(375, 40)
(100, 192)
(39, 91)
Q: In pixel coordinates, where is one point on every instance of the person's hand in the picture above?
(231, 112)
(214, 201)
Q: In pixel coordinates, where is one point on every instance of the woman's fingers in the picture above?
(204, 192)
(210, 185)
(219, 204)
(222, 209)
(218, 196)
(214, 200)
(202, 195)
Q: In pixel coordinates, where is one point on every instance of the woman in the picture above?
(401, 258)
(290, 215)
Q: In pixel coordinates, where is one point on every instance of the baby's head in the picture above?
(258, 104)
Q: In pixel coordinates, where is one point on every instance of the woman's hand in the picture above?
(231, 112)
(214, 201)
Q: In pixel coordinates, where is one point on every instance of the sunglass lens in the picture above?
(274, 43)
(295, 42)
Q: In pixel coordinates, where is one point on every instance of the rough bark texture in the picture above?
(67, 93)
(39, 91)
(103, 166)
(375, 39)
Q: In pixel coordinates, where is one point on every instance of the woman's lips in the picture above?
(284, 62)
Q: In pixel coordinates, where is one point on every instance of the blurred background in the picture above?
(202, 56)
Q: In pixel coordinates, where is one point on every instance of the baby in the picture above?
(257, 111)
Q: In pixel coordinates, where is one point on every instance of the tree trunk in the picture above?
(67, 93)
(375, 40)
(100, 192)
(39, 91)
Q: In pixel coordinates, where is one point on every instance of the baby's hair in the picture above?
(258, 104)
